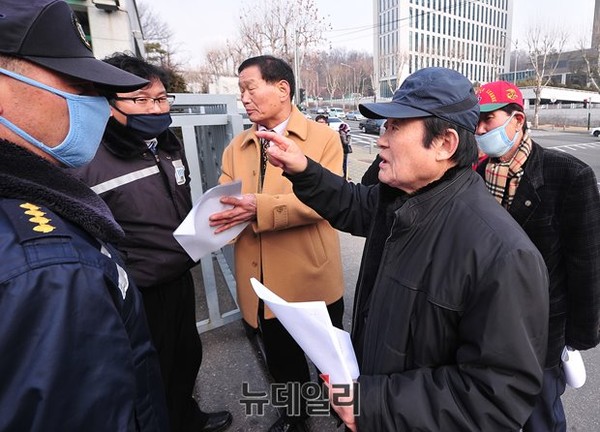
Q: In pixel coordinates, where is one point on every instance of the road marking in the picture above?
(575, 147)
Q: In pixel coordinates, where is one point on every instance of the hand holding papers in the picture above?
(195, 235)
(328, 347)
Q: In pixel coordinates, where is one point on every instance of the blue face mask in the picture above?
(88, 116)
(496, 143)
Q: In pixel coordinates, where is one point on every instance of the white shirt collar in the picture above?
(280, 128)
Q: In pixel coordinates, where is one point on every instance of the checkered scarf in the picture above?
(502, 178)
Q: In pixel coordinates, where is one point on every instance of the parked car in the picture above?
(374, 126)
(335, 123)
(595, 132)
(354, 115)
(336, 112)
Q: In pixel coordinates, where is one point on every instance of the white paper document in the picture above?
(328, 347)
(573, 366)
(195, 235)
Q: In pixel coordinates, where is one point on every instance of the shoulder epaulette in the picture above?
(31, 221)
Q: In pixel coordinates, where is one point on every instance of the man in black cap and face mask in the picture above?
(450, 310)
(141, 172)
(76, 350)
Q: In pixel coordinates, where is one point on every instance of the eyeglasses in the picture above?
(145, 101)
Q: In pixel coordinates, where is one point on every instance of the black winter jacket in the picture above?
(149, 196)
(451, 305)
(558, 205)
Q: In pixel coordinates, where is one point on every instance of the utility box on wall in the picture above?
(110, 26)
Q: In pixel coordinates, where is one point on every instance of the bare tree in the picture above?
(544, 49)
(311, 75)
(332, 80)
(237, 52)
(591, 57)
(158, 38)
(364, 69)
(394, 66)
(198, 80)
(216, 62)
(284, 28)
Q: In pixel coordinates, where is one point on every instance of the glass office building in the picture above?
(470, 36)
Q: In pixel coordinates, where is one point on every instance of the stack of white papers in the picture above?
(328, 347)
(195, 235)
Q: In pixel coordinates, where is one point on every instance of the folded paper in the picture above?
(573, 366)
(195, 234)
(328, 347)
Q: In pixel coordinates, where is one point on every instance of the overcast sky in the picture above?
(199, 25)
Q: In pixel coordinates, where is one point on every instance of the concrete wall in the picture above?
(576, 117)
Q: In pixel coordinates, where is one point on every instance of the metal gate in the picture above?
(206, 124)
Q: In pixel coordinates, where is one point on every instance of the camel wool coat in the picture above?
(295, 249)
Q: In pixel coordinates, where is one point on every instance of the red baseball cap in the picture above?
(498, 94)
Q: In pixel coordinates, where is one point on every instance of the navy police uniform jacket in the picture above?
(75, 350)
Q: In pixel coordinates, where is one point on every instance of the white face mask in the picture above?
(496, 143)
(88, 116)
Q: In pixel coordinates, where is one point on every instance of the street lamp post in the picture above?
(296, 68)
(353, 76)
(516, 59)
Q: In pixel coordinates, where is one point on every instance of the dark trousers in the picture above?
(285, 359)
(171, 312)
(548, 414)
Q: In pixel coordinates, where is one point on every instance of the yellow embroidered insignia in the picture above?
(43, 223)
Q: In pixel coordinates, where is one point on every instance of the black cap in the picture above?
(438, 92)
(47, 32)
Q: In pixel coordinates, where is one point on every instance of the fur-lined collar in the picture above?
(26, 176)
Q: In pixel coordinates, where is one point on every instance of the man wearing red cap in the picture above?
(554, 197)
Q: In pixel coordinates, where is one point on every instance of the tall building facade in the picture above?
(470, 36)
(596, 26)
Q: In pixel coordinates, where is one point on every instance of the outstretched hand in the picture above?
(284, 153)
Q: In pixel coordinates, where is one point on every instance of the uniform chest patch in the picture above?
(179, 171)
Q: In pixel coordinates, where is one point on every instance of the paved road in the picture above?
(231, 359)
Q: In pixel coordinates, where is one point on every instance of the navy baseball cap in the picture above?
(438, 92)
(47, 32)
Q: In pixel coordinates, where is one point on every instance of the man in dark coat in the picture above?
(450, 313)
(554, 197)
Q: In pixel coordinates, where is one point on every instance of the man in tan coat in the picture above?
(287, 246)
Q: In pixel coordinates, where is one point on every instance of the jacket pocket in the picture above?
(318, 250)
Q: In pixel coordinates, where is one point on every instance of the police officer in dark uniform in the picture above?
(76, 351)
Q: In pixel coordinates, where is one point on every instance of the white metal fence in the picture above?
(206, 124)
